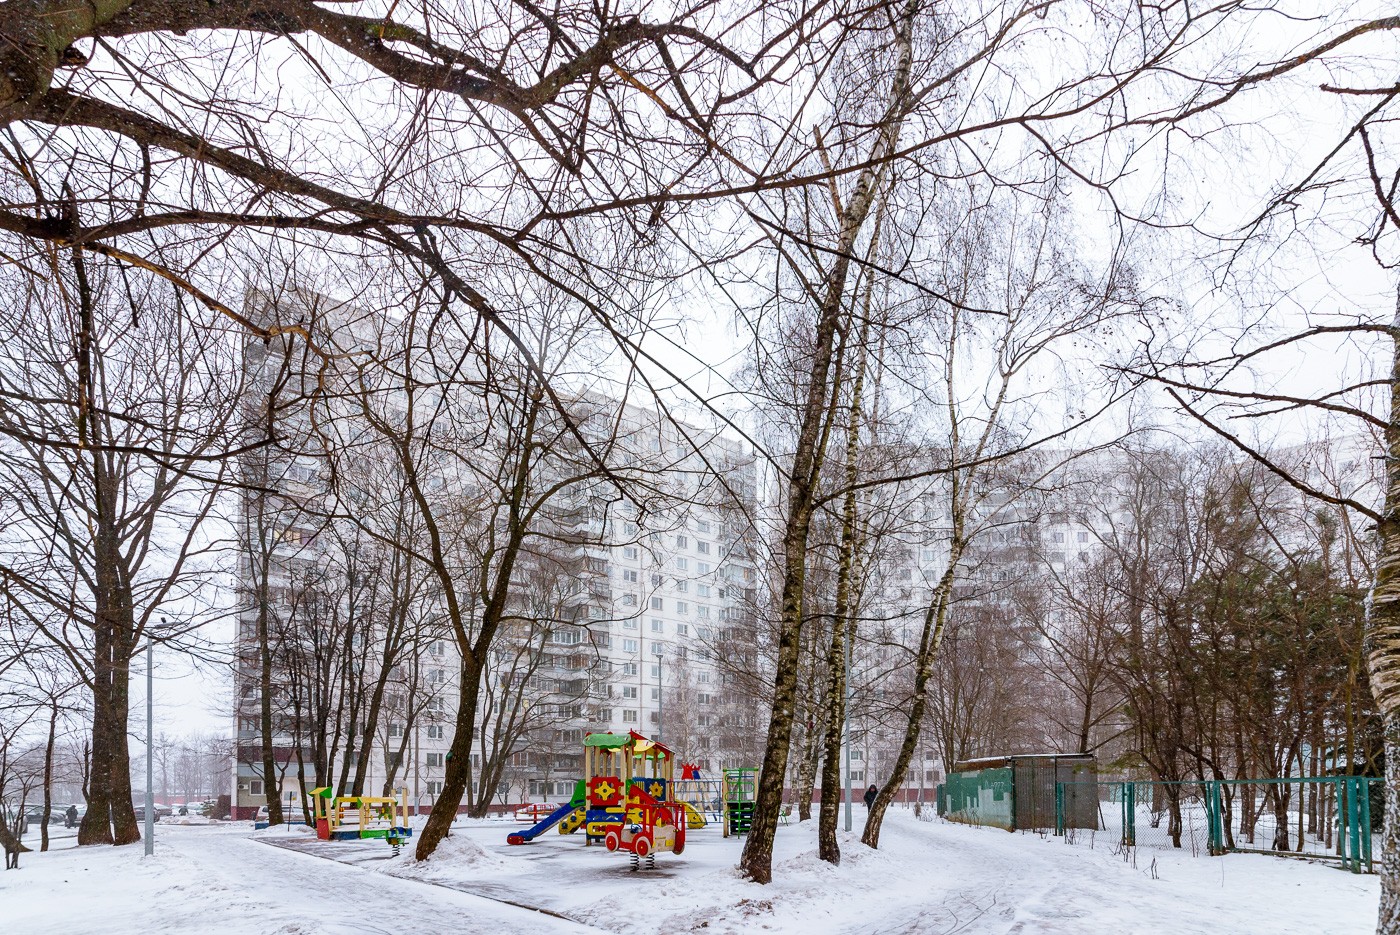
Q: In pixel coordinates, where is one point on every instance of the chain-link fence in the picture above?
(1323, 817)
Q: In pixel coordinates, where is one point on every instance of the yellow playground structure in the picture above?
(350, 817)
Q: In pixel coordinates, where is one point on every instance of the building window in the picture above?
(682, 586)
(629, 599)
(434, 788)
(683, 563)
(629, 691)
(657, 626)
(655, 671)
(702, 547)
(656, 604)
(704, 678)
(433, 759)
(656, 694)
(703, 697)
(1059, 537)
(629, 716)
(1083, 537)
(629, 575)
(702, 525)
(630, 623)
(702, 590)
(682, 542)
(630, 552)
(395, 731)
(682, 630)
(702, 568)
(255, 787)
(434, 731)
(682, 607)
(629, 668)
(702, 611)
(435, 648)
(629, 646)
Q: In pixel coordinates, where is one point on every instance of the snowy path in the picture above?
(207, 880)
(928, 878)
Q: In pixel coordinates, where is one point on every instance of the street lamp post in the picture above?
(151, 739)
(150, 747)
(660, 693)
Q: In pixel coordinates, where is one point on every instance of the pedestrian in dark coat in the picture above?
(70, 817)
(870, 795)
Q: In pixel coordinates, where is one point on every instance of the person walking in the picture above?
(870, 795)
(70, 817)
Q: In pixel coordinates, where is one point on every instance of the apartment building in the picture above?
(633, 610)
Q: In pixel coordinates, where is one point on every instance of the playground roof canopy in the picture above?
(641, 746)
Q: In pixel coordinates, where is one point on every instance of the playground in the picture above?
(631, 800)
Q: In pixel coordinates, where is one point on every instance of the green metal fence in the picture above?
(1330, 817)
(979, 797)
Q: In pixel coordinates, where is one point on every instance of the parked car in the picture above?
(34, 815)
(160, 811)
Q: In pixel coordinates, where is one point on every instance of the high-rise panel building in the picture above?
(631, 607)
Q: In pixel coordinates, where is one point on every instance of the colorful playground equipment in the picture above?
(352, 817)
(568, 816)
(739, 786)
(625, 802)
(702, 799)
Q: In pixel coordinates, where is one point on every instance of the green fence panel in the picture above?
(1129, 798)
(980, 797)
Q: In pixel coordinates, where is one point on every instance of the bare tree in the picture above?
(116, 417)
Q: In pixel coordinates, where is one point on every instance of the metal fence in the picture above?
(1330, 817)
(978, 797)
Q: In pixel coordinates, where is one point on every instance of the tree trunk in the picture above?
(474, 654)
(807, 771)
(838, 654)
(935, 621)
(459, 756)
(272, 791)
(1382, 645)
(827, 847)
(808, 456)
(48, 776)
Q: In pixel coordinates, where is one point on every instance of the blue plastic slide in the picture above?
(552, 819)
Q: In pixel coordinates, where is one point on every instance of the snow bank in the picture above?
(455, 855)
(284, 830)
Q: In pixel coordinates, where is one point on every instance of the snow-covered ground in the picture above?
(928, 877)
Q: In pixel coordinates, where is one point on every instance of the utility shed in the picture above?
(1024, 792)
